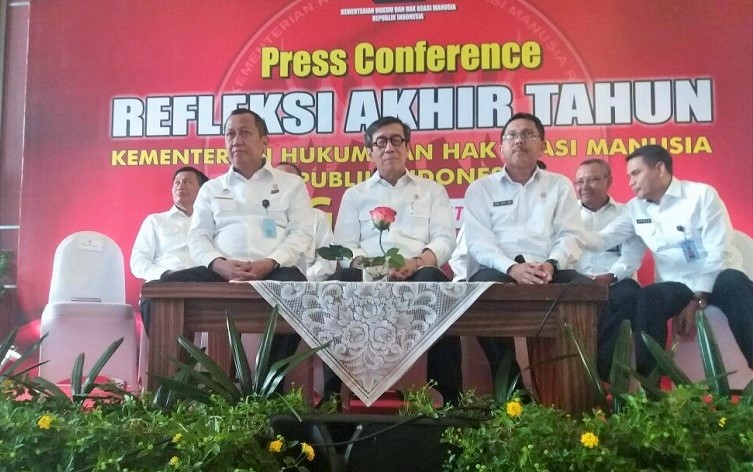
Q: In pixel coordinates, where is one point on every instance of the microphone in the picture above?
(681, 228)
(265, 203)
(519, 259)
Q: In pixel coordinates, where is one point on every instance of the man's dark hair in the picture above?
(368, 135)
(653, 154)
(290, 164)
(601, 163)
(524, 116)
(261, 126)
(199, 174)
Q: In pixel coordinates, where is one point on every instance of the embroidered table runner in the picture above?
(376, 330)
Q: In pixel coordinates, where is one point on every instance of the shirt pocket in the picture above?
(416, 224)
(647, 232)
(223, 204)
(278, 211)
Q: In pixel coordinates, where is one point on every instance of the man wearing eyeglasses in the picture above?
(423, 231)
(614, 267)
(522, 224)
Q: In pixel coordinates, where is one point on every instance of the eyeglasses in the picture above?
(381, 142)
(524, 136)
(588, 180)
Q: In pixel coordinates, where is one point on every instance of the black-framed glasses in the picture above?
(381, 142)
(525, 136)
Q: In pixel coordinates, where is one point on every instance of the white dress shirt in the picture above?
(688, 211)
(162, 245)
(424, 218)
(621, 260)
(318, 269)
(538, 220)
(233, 217)
(459, 259)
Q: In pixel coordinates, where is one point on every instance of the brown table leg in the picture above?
(218, 348)
(563, 382)
(166, 326)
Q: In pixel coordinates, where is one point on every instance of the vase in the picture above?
(376, 273)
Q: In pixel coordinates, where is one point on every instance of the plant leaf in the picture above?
(32, 349)
(99, 365)
(334, 252)
(279, 369)
(208, 364)
(397, 261)
(185, 390)
(265, 346)
(589, 367)
(713, 365)
(5, 347)
(78, 372)
(164, 397)
(746, 397)
(202, 378)
(619, 375)
(503, 385)
(49, 389)
(242, 369)
(664, 362)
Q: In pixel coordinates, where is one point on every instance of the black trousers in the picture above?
(621, 306)
(444, 358)
(283, 345)
(495, 349)
(656, 303)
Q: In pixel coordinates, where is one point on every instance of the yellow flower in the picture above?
(514, 408)
(44, 422)
(589, 439)
(722, 421)
(275, 446)
(174, 461)
(308, 450)
(177, 437)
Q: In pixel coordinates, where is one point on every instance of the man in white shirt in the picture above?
(161, 245)
(459, 260)
(614, 267)
(423, 231)
(251, 223)
(522, 224)
(686, 227)
(317, 268)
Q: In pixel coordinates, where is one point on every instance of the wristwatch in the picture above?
(554, 264)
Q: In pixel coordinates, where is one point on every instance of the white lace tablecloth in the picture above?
(376, 330)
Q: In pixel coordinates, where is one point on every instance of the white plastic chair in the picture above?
(688, 354)
(86, 310)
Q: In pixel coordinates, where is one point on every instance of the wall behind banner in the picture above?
(121, 93)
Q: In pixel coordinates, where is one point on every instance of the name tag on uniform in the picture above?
(503, 203)
(689, 250)
(269, 228)
(643, 221)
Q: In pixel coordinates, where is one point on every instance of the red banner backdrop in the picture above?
(121, 93)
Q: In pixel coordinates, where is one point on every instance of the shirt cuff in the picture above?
(441, 251)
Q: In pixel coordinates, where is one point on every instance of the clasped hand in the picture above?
(532, 272)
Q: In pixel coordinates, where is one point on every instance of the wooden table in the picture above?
(503, 310)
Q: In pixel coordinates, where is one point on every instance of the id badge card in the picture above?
(689, 249)
(269, 228)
